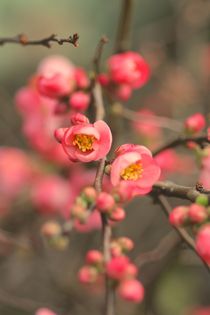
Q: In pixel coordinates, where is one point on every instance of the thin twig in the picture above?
(98, 53)
(182, 140)
(182, 232)
(171, 189)
(124, 26)
(163, 248)
(7, 238)
(23, 40)
(106, 228)
(159, 121)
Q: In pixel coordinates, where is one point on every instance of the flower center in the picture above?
(132, 172)
(84, 142)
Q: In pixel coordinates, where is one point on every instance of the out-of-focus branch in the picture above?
(7, 239)
(182, 140)
(159, 121)
(163, 249)
(106, 228)
(98, 53)
(23, 40)
(171, 189)
(124, 26)
(182, 232)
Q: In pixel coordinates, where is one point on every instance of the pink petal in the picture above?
(105, 141)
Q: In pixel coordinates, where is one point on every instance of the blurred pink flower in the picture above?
(51, 194)
(128, 68)
(44, 311)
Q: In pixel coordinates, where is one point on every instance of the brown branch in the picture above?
(123, 32)
(182, 140)
(162, 250)
(8, 239)
(182, 232)
(171, 189)
(98, 53)
(159, 121)
(23, 40)
(106, 228)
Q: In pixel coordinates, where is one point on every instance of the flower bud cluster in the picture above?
(106, 204)
(126, 71)
(61, 81)
(120, 271)
(198, 216)
(53, 233)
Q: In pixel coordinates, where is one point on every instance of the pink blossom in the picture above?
(79, 100)
(135, 169)
(123, 92)
(103, 79)
(87, 142)
(128, 68)
(54, 86)
(195, 123)
(56, 64)
(197, 213)
(15, 171)
(203, 243)
(39, 123)
(44, 311)
(131, 290)
(81, 78)
(178, 215)
(55, 76)
(146, 126)
(51, 194)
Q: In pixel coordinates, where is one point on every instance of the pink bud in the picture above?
(79, 100)
(203, 243)
(103, 79)
(195, 123)
(123, 92)
(178, 215)
(79, 119)
(105, 202)
(118, 214)
(81, 78)
(131, 290)
(87, 274)
(94, 257)
(117, 267)
(59, 133)
(197, 213)
(44, 311)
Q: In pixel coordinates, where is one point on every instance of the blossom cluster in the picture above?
(120, 271)
(126, 71)
(197, 215)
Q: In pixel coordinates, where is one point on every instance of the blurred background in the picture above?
(174, 37)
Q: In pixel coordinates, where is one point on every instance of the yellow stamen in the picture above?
(132, 172)
(84, 142)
